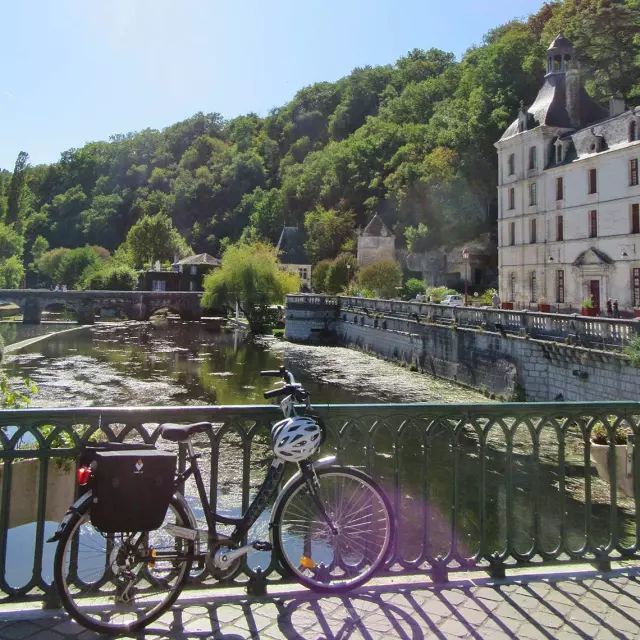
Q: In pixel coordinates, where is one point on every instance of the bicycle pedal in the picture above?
(262, 546)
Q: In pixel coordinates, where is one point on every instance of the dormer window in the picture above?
(633, 131)
(512, 164)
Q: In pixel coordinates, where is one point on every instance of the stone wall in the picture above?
(506, 365)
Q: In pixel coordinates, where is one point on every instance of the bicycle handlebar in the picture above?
(290, 386)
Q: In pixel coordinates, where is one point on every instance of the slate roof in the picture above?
(375, 227)
(549, 107)
(291, 247)
(560, 42)
(200, 259)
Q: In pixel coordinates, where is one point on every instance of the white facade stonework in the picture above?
(569, 197)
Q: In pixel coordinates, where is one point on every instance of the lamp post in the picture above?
(465, 257)
(348, 279)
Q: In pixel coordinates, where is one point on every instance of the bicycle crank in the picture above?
(225, 557)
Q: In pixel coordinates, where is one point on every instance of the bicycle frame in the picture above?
(267, 490)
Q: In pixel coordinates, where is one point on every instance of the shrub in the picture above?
(319, 275)
(338, 275)
(600, 435)
(633, 350)
(383, 277)
(413, 287)
(439, 292)
(113, 278)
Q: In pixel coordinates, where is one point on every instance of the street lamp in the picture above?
(465, 257)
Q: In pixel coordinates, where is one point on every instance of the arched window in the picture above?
(633, 131)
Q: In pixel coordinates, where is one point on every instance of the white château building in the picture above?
(569, 195)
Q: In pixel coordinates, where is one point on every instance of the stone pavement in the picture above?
(580, 604)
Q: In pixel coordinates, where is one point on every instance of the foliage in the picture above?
(632, 349)
(112, 277)
(342, 270)
(11, 273)
(76, 265)
(251, 276)
(411, 140)
(486, 298)
(383, 277)
(155, 238)
(48, 265)
(587, 303)
(600, 435)
(413, 287)
(39, 247)
(319, 275)
(436, 294)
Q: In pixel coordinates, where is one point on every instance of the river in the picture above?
(177, 363)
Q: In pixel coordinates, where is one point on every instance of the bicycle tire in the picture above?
(300, 531)
(76, 594)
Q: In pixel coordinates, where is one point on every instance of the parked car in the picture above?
(453, 301)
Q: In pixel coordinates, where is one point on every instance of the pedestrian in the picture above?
(609, 308)
(495, 301)
(616, 309)
(57, 288)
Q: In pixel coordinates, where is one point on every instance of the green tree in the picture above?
(382, 277)
(251, 276)
(327, 232)
(11, 242)
(155, 238)
(77, 264)
(11, 273)
(15, 197)
(48, 266)
(112, 277)
(319, 275)
(413, 287)
(39, 247)
(340, 273)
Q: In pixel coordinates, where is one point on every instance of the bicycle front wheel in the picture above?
(119, 582)
(346, 553)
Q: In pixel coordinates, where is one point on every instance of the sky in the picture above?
(75, 71)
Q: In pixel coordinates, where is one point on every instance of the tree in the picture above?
(251, 276)
(39, 247)
(319, 275)
(114, 277)
(77, 264)
(327, 232)
(48, 266)
(382, 277)
(11, 242)
(413, 287)
(11, 273)
(155, 238)
(341, 272)
(16, 188)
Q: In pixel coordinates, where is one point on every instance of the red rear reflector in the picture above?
(84, 473)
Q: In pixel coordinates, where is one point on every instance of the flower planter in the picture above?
(636, 313)
(507, 305)
(589, 311)
(543, 307)
(600, 459)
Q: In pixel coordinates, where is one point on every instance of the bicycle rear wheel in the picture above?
(118, 582)
(334, 561)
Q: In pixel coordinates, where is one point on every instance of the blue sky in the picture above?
(74, 71)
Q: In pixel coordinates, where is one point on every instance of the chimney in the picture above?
(573, 88)
(616, 106)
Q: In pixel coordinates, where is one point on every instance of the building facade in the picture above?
(293, 256)
(569, 196)
(376, 243)
(185, 275)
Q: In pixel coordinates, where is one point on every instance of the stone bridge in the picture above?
(135, 305)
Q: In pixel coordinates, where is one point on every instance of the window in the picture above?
(512, 164)
(633, 172)
(302, 272)
(512, 287)
(512, 198)
(559, 189)
(593, 224)
(559, 228)
(633, 131)
(533, 194)
(532, 232)
(593, 181)
(635, 218)
(533, 158)
(635, 275)
(560, 285)
(193, 270)
(512, 233)
(558, 153)
(533, 286)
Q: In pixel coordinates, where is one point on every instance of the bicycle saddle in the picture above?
(182, 432)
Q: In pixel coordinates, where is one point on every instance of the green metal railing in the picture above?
(473, 486)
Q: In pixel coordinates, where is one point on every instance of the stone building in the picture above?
(185, 275)
(569, 195)
(293, 256)
(376, 243)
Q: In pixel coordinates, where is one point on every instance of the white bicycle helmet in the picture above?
(296, 438)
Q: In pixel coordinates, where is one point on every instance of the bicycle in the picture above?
(331, 528)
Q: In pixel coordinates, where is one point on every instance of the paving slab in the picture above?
(556, 607)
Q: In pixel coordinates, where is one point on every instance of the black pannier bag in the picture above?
(131, 489)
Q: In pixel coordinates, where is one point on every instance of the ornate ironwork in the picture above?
(481, 486)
